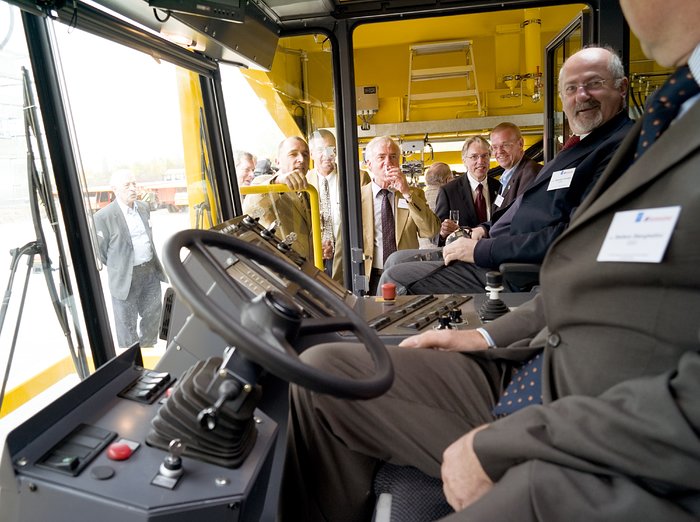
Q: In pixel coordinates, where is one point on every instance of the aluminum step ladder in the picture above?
(442, 74)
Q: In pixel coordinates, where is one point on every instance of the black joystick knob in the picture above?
(444, 323)
(455, 315)
(249, 221)
(494, 307)
(208, 418)
(494, 280)
(269, 232)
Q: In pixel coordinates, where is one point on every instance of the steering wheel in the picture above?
(266, 327)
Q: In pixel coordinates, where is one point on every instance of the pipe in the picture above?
(532, 31)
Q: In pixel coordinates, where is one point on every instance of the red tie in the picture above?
(480, 204)
(573, 140)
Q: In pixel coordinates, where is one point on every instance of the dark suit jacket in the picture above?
(115, 247)
(457, 195)
(608, 322)
(544, 214)
(525, 172)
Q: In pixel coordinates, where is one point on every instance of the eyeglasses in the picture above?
(474, 157)
(590, 86)
(326, 152)
(503, 146)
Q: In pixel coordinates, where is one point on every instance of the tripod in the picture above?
(40, 191)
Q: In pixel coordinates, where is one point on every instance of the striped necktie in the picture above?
(388, 226)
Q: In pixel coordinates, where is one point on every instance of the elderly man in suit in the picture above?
(125, 245)
(523, 231)
(325, 177)
(507, 146)
(608, 311)
(408, 211)
(465, 193)
(289, 209)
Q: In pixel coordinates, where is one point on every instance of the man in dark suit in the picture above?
(508, 148)
(460, 194)
(125, 242)
(602, 317)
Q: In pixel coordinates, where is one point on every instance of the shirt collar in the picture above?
(126, 209)
(376, 188)
(473, 182)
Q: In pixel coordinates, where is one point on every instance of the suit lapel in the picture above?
(466, 196)
(400, 217)
(120, 219)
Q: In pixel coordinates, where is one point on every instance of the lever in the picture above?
(494, 307)
(208, 418)
(444, 323)
(455, 315)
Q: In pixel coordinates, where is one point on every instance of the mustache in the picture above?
(591, 104)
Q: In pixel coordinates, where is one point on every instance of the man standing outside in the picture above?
(325, 178)
(507, 146)
(125, 243)
(244, 163)
(394, 214)
(289, 209)
(472, 195)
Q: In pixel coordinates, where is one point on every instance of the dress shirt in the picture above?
(485, 191)
(139, 236)
(335, 201)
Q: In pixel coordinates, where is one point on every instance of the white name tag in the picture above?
(639, 236)
(561, 179)
(403, 203)
(499, 201)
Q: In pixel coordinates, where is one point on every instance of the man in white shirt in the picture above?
(125, 242)
(324, 177)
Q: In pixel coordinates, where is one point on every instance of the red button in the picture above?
(119, 451)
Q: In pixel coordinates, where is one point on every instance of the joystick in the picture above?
(494, 307)
(444, 323)
(208, 418)
(455, 316)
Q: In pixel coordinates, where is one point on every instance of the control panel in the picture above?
(87, 457)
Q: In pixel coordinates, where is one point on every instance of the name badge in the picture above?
(561, 179)
(639, 236)
(403, 203)
(499, 201)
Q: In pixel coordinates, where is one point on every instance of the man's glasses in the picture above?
(590, 86)
(326, 152)
(474, 157)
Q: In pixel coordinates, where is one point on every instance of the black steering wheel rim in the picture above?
(280, 363)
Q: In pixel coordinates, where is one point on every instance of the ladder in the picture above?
(452, 64)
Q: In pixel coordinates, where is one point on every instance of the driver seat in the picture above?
(406, 494)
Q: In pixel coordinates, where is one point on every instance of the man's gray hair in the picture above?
(372, 146)
(469, 141)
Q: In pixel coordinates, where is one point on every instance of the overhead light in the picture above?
(183, 41)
